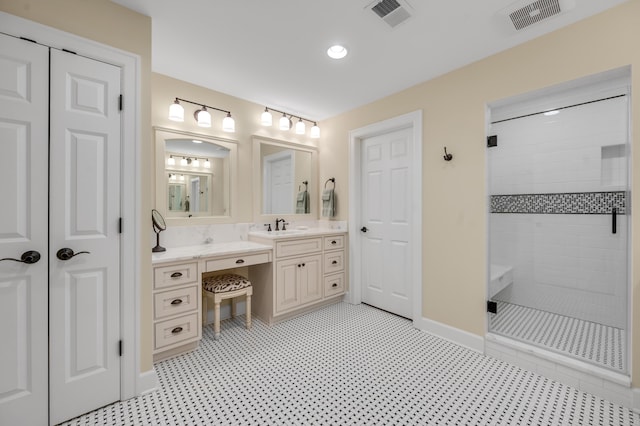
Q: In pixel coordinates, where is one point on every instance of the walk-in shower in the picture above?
(559, 219)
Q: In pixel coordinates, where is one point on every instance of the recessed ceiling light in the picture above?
(552, 112)
(196, 141)
(337, 52)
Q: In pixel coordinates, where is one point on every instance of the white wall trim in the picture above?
(452, 334)
(147, 382)
(636, 400)
(412, 120)
(130, 194)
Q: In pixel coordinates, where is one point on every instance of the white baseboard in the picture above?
(147, 382)
(452, 334)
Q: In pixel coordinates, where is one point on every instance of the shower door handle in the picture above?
(614, 212)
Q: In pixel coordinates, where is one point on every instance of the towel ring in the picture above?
(330, 180)
(305, 183)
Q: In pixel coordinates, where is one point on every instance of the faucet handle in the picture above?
(269, 227)
(284, 225)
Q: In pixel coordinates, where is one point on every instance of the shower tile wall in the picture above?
(567, 263)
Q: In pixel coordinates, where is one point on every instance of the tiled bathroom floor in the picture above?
(589, 341)
(350, 364)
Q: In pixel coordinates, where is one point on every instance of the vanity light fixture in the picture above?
(195, 163)
(202, 115)
(207, 164)
(171, 161)
(266, 119)
(181, 178)
(183, 162)
(286, 123)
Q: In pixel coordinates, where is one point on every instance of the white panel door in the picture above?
(84, 217)
(386, 228)
(23, 228)
(279, 183)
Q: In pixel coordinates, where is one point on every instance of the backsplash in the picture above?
(182, 236)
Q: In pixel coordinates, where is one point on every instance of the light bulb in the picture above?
(195, 163)
(300, 127)
(285, 123)
(203, 117)
(176, 112)
(228, 124)
(171, 161)
(266, 119)
(207, 164)
(315, 131)
(181, 177)
(183, 162)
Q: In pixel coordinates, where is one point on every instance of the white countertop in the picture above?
(205, 250)
(296, 233)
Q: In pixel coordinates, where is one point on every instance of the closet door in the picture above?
(23, 228)
(84, 217)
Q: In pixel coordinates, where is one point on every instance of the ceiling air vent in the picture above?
(525, 13)
(391, 12)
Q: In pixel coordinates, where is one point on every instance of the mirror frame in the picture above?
(162, 134)
(258, 216)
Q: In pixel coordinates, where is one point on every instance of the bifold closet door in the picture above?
(84, 294)
(24, 357)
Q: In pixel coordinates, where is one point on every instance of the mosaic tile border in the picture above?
(561, 203)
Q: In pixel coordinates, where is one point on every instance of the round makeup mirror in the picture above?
(159, 225)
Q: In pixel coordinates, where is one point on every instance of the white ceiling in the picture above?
(273, 52)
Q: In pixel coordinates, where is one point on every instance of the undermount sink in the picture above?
(273, 234)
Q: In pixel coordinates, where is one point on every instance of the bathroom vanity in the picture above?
(308, 272)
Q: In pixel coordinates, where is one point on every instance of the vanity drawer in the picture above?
(174, 275)
(177, 330)
(334, 242)
(237, 261)
(333, 261)
(296, 247)
(333, 284)
(173, 302)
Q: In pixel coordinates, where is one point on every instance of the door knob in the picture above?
(27, 257)
(67, 253)
(364, 229)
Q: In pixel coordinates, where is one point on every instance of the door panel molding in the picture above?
(412, 120)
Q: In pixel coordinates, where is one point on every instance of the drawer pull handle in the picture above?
(176, 301)
(176, 330)
(334, 242)
(240, 261)
(176, 275)
(335, 262)
(334, 285)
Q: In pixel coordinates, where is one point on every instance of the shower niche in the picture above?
(559, 190)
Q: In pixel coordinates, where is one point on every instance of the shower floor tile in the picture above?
(350, 365)
(596, 343)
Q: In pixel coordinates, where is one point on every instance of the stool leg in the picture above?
(248, 312)
(233, 307)
(216, 319)
(204, 308)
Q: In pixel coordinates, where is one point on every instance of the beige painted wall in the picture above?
(113, 25)
(454, 236)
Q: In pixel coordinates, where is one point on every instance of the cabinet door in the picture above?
(287, 290)
(309, 278)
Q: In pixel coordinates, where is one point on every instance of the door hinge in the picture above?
(120, 347)
(120, 226)
(492, 141)
(120, 100)
(492, 307)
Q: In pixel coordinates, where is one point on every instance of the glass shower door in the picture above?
(558, 232)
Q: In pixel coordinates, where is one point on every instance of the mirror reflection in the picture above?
(196, 177)
(286, 177)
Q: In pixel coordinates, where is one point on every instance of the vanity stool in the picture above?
(225, 286)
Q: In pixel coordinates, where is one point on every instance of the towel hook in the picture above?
(305, 183)
(330, 180)
(447, 156)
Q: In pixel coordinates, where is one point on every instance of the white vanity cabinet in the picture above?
(308, 272)
(176, 308)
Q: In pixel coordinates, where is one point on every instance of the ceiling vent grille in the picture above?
(391, 12)
(534, 12)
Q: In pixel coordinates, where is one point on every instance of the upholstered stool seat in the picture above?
(221, 287)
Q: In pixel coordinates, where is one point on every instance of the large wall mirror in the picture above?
(285, 180)
(195, 177)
